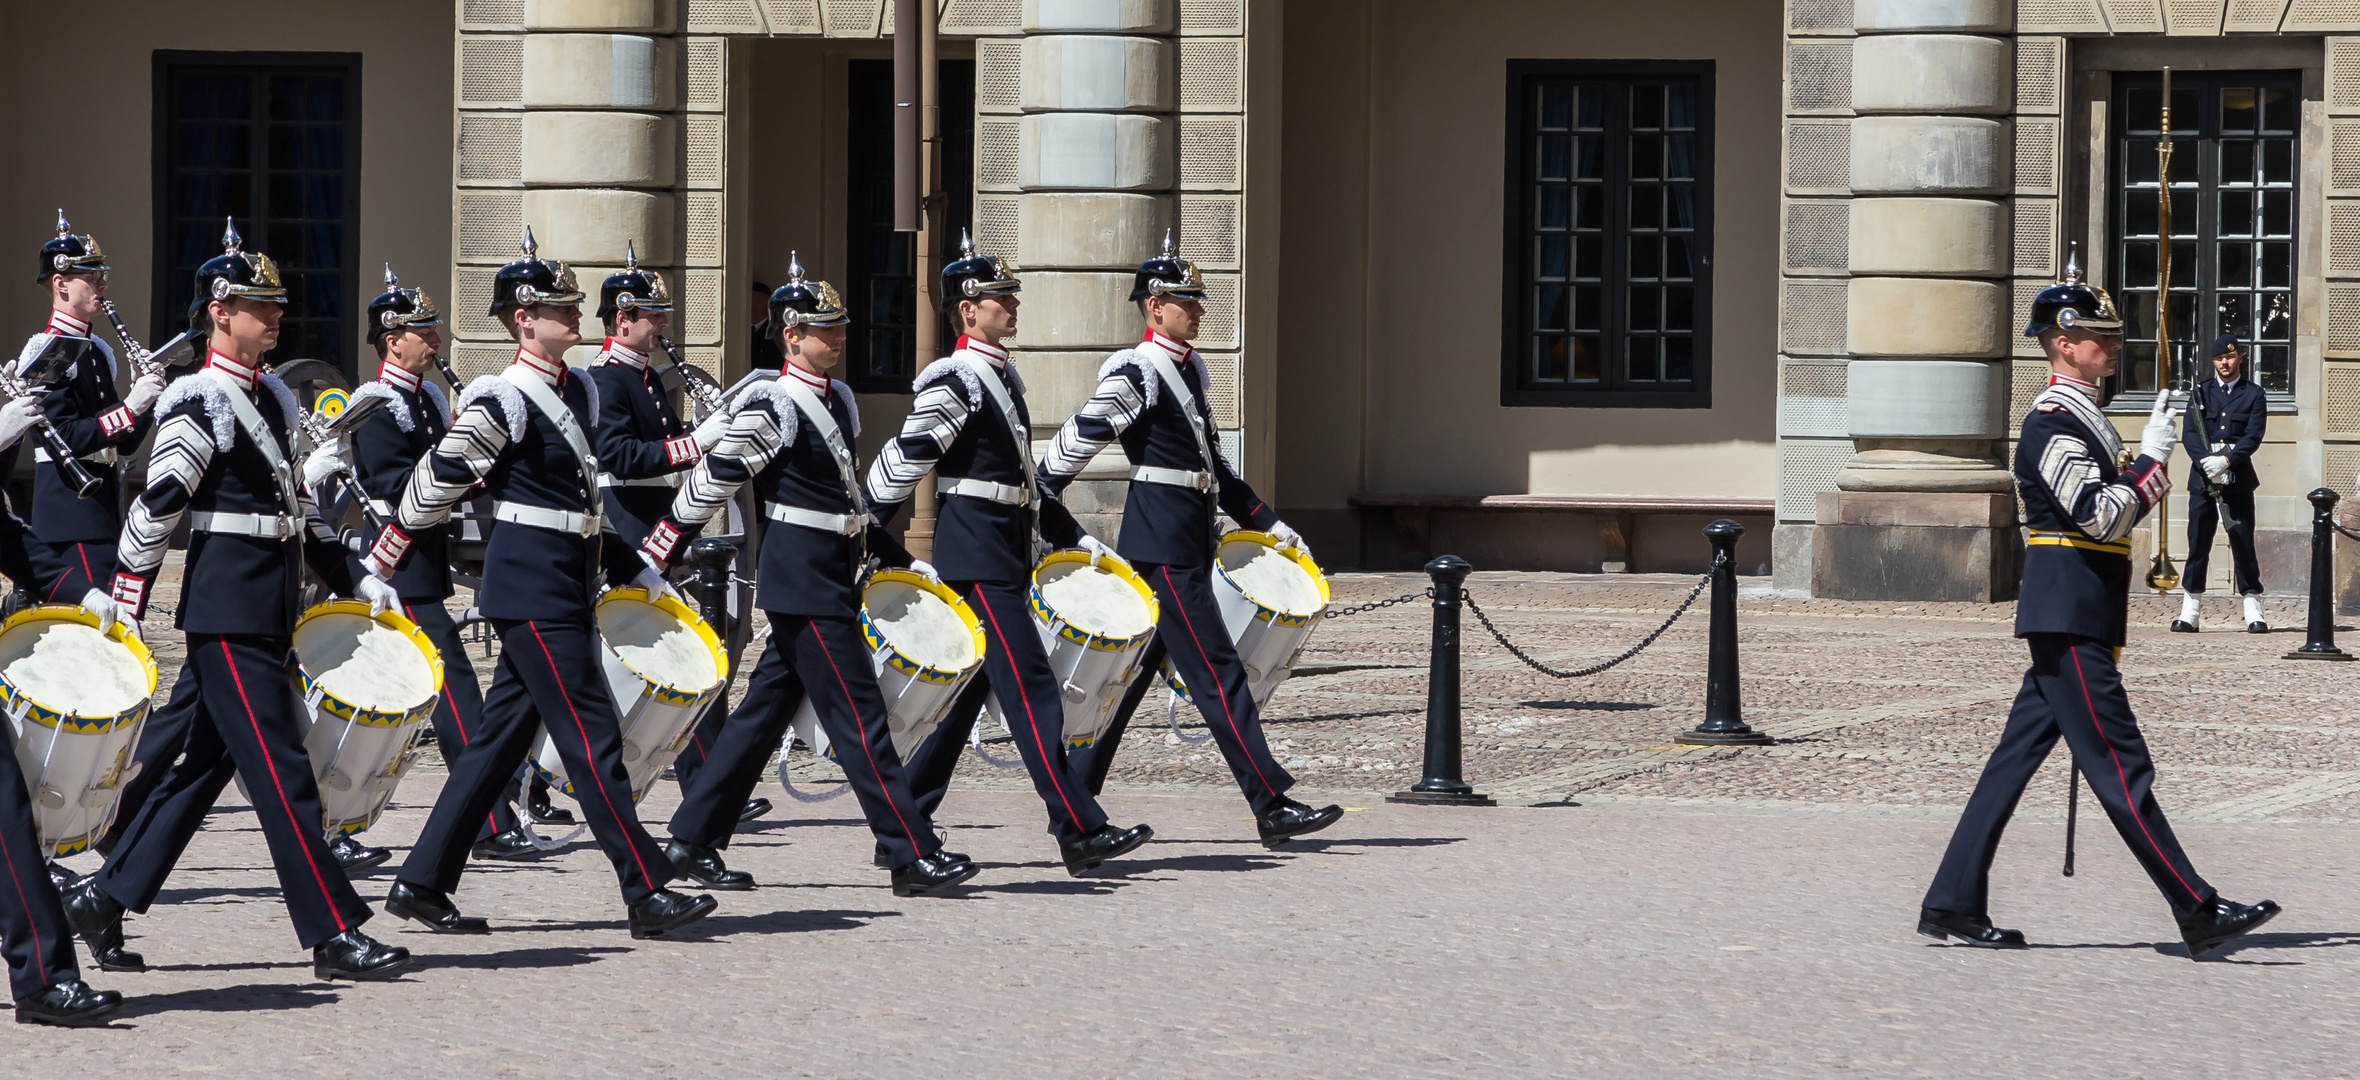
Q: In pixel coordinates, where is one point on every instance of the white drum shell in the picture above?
(76, 777)
(1265, 644)
(358, 760)
(913, 708)
(1090, 682)
(655, 725)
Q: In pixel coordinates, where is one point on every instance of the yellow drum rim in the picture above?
(78, 723)
(893, 656)
(1301, 558)
(1101, 642)
(666, 694)
(391, 620)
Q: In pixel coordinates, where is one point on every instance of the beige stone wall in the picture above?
(1389, 301)
(100, 121)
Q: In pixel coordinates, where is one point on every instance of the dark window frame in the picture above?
(869, 146)
(2197, 162)
(166, 317)
(1520, 233)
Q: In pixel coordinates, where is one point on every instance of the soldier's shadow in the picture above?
(556, 956)
(252, 997)
(2265, 941)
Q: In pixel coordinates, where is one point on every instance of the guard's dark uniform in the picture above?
(34, 935)
(101, 430)
(2229, 420)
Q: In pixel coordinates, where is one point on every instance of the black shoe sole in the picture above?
(2257, 628)
(381, 858)
(94, 1018)
(121, 969)
(754, 809)
(558, 818)
(377, 974)
(509, 856)
(2179, 627)
(1942, 934)
(1304, 830)
(642, 933)
(715, 886)
(1078, 870)
(929, 889)
(407, 913)
(2197, 952)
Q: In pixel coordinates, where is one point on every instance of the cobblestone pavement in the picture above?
(1636, 909)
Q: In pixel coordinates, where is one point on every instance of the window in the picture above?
(881, 275)
(274, 140)
(2234, 156)
(1609, 234)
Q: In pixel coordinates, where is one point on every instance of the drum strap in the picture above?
(1173, 381)
(823, 421)
(995, 386)
(264, 441)
(554, 407)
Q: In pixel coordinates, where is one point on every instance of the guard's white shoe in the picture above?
(2254, 623)
(2188, 622)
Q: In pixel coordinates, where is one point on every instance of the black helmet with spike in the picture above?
(2072, 304)
(973, 277)
(805, 303)
(398, 308)
(237, 272)
(70, 254)
(632, 289)
(533, 280)
(1168, 275)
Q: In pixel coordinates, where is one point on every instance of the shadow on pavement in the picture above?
(1590, 706)
(1130, 868)
(252, 997)
(1051, 887)
(552, 957)
(190, 896)
(1369, 841)
(791, 922)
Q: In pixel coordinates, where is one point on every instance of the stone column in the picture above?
(1923, 509)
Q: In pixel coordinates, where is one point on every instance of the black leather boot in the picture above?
(62, 879)
(884, 858)
(1084, 855)
(703, 865)
(2222, 920)
(513, 844)
(1968, 929)
(932, 874)
(98, 921)
(1287, 819)
(663, 911)
(537, 804)
(359, 957)
(754, 808)
(432, 907)
(71, 1003)
(355, 856)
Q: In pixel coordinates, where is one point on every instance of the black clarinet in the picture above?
(69, 468)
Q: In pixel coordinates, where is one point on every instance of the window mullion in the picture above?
(1615, 278)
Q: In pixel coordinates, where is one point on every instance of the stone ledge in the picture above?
(1926, 509)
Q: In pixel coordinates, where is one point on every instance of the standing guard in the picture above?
(1150, 397)
(2072, 611)
(970, 424)
(220, 461)
(2227, 416)
(791, 437)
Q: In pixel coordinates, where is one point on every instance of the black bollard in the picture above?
(1724, 719)
(2320, 643)
(712, 556)
(1442, 784)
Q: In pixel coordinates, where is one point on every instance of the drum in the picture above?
(925, 643)
(1095, 621)
(368, 684)
(76, 699)
(663, 666)
(1270, 599)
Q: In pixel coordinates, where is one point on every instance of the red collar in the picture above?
(552, 373)
(243, 375)
(394, 375)
(616, 351)
(997, 355)
(820, 383)
(1180, 351)
(62, 323)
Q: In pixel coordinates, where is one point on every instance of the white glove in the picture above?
(2156, 439)
(323, 463)
(144, 392)
(1287, 537)
(98, 603)
(17, 417)
(651, 578)
(925, 569)
(378, 592)
(710, 431)
(2216, 467)
(1099, 552)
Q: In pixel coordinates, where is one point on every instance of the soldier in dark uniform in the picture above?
(2071, 612)
(1152, 398)
(791, 437)
(644, 445)
(220, 461)
(405, 326)
(2227, 415)
(524, 436)
(970, 424)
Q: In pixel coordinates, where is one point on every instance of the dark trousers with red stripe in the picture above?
(1192, 636)
(549, 677)
(1016, 670)
(2073, 690)
(701, 740)
(825, 658)
(88, 564)
(34, 936)
(458, 713)
(247, 721)
(160, 741)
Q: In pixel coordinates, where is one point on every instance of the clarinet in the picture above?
(708, 397)
(143, 362)
(318, 429)
(69, 468)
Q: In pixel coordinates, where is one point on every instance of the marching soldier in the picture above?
(791, 437)
(1151, 398)
(2071, 613)
(524, 435)
(2227, 415)
(220, 461)
(405, 326)
(970, 424)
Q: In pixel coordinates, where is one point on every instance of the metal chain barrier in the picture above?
(1468, 596)
(1362, 609)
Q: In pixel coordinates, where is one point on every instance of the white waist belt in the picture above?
(107, 456)
(840, 524)
(1004, 494)
(668, 480)
(264, 526)
(542, 517)
(1157, 474)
